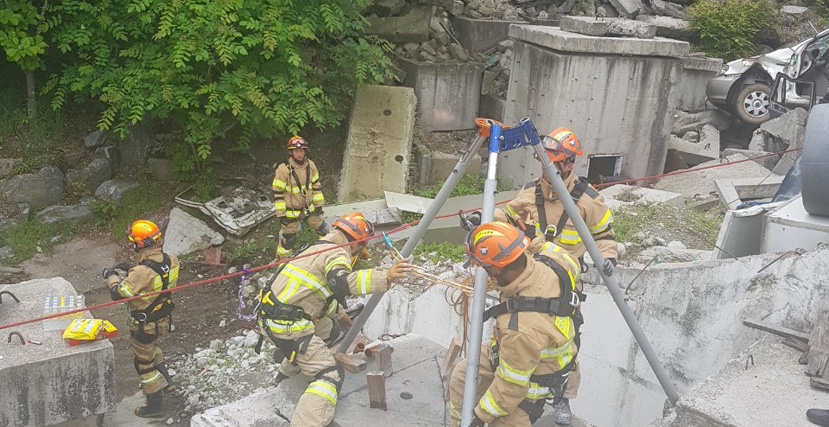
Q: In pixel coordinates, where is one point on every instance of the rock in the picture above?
(251, 338)
(790, 128)
(110, 153)
(675, 244)
(684, 122)
(113, 190)
(610, 27)
(543, 15)
(691, 136)
(387, 7)
(669, 27)
(766, 162)
(455, 8)
(135, 148)
(567, 6)
(760, 141)
(38, 190)
(7, 167)
(412, 27)
(425, 56)
(458, 52)
(411, 49)
(162, 169)
(794, 10)
(216, 345)
(428, 48)
(90, 177)
(627, 8)
(187, 234)
(6, 253)
(505, 45)
(661, 7)
(54, 214)
(23, 209)
(96, 139)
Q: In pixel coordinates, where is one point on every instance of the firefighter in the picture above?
(535, 336)
(149, 316)
(304, 293)
(297, 196)
(538, 211)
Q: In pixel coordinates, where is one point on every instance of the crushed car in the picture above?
(744, 86)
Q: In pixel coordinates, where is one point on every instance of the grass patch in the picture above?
(135, 203)
(468, 185)
(696, 229)
(25, 236)
(438, 251)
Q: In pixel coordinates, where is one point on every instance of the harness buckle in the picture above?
(511, 305)
(140, 317)
(575, 301)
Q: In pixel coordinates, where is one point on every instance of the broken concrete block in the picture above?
(694, 153)
(447, 94)
(611, 27)
(627, 8)
(387, 7)
(455, 8)
(186, 234)
(760, 141)
(458, 52)
(412, 27)
(702, 182)
(790, 128)
(379, 143)
(616, 196)
(480, 35)
(766, 162)
(684, 121)
(669, 27)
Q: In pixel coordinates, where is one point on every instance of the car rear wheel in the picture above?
(753, 102)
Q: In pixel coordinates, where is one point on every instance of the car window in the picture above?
(820, 44)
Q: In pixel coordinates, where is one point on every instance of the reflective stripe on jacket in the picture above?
(291, 197)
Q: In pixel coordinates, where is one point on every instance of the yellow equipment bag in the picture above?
(84, 329)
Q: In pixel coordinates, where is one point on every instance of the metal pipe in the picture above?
(420, 230)
(473, 352)
(610, 280)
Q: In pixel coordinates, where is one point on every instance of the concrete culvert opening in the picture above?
(603, 166)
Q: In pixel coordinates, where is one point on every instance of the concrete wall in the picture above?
(696, 71)
(447, 94)
(379, 143)
(480, 35)
(616, 94)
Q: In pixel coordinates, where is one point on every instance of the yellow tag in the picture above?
(563, 325)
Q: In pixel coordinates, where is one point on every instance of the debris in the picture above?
(819, 347)
(608, 28)
(669, 27)
(702, 182)
(186, 234)
(377, 390)
(450, 358)
(627, 8)
(684, 121)
(384, 362)
(351, 363)
(413, 27)
(777, 330)
(237, 210)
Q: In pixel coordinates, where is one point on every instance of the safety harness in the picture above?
(307, 186)
(578, 190)
(162, 306)
(565, 305)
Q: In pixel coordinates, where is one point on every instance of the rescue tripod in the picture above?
(503, 138)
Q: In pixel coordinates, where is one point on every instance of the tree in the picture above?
(211, 66)
(20, 38)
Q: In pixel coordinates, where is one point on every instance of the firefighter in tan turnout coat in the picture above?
(297, 196)
(304, 295)
(149, 316)
(535, 338)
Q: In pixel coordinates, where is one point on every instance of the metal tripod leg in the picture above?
(425, 222)
(611, 281)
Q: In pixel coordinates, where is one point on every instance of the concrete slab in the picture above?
(669, 27)
(410, 28)
(186, 234)
(50, 383)
(747, 391)
(611, 27)
(558, 39)
(791, 227)
(617, 196)
(375, 211)
(379, 143)
(447, 94)
(434, 166)
(767, 162)
(480, 35)
(702, 182)
(733, 191)
(704, 150)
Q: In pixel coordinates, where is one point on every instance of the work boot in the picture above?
(818, 416)
(153, 408)
(563, 415)
(162, 368)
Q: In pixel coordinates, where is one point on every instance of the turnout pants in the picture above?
(145, 347)
(573, 382)
(517, 418)
(316, 406)
(289, 229)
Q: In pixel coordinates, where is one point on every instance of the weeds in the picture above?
(698, 230)
(438, 251)
(252, 249)
(26, 236)
(135, 203)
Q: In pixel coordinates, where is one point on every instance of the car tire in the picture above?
(753, 103)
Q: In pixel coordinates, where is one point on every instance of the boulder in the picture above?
(113, 190)
(90, 177)
(794, 10)
(38, 190)
(110, 153)
(627, 8)
(74, 213)
(162, 169)
(608, 27)
(186, 234)
(96, 139)
(7, 167)
(669, 27)
(135, 148)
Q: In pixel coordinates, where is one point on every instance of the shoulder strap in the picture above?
(162, 269)
(575, 194)
(308, 176)
(539, 207)
(296, 178)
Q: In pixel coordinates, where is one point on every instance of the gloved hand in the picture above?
(607, 267)
(279, 378)
(476, 422)
(398, 270)
(528, 230)
(108, 272)
(121, 265)
(318, 210)
(471, 221)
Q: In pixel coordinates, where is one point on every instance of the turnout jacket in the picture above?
(297, 189)
(532, 344)
(590, 204)
(303, 282)
(142, 279)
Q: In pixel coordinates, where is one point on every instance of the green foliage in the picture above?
(696, 229)
(136, 203)
(438, 251)
(214, 70)
(727, 27)
(468, 184)
(25, 236)
(251, 249)
(21, 27)
(102, 212)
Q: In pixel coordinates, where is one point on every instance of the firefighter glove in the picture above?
(476, 422)
(607, 267)
(469, 222)
(122, 265)
(398, 270)
(109, 272)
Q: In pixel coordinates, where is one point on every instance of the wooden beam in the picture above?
(796, 344)
(820, 383)
(450, 358)
(350, 363)
(383, 355)
(777, 330)
(376, 390)
(819, 346)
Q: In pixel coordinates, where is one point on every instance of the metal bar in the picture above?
(611, 280)
(473, 352)
(420, 230)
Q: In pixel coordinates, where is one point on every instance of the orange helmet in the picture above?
(143, 234)
(495, 243)
(562, 144)
(355, 225)
(297, 142)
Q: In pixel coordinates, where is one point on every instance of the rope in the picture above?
(378, 236)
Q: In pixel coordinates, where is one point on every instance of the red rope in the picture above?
(395, 230)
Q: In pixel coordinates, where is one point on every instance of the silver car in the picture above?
(743, 86)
